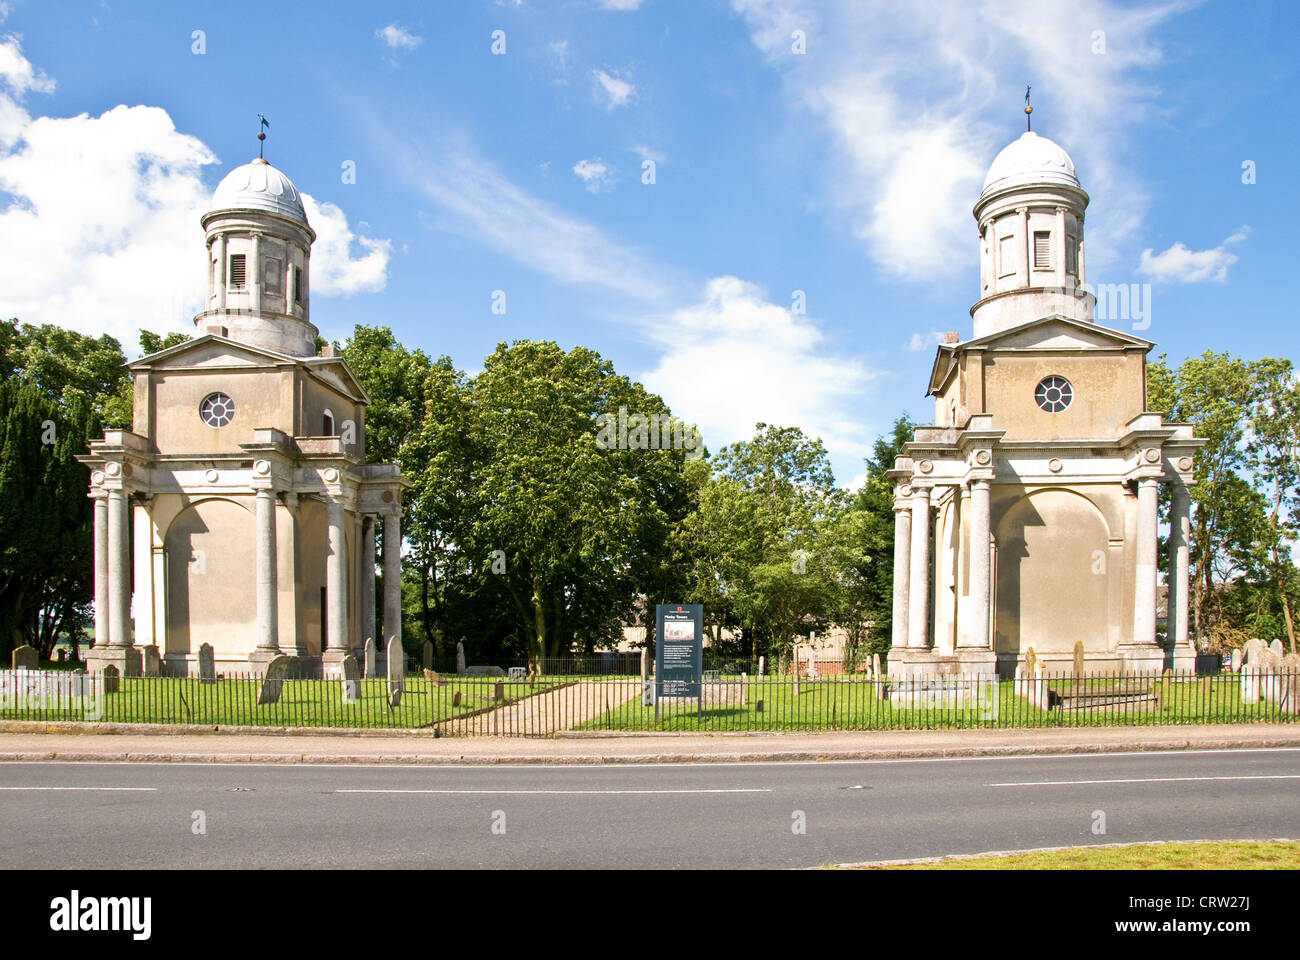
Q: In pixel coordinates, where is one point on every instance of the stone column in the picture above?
(918, 612)
(1179, 585)
(1144, 592)
(1023, 212)
(368, 577)
(1060, 247)
(977, 623)
(119, 570)
(336, 578)
(902, 570)
(221, 272)
(268, 611)
(392, 576)
(254, 273)
(103, 628)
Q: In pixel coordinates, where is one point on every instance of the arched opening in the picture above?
(327, 424)
(209, 551)
(1051, 590)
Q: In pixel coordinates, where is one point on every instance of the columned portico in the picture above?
(392, 576)
(977, 621)
(336, 582)
(368, 578)
(1144, 603)
(1178, 579)
(103, 631)
(268, 616)
(918, 608)
(902, 565)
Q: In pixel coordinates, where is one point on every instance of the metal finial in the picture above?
(1028, 110)
(261, 134)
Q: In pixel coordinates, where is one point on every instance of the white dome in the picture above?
(1030, 159)
(258, 186)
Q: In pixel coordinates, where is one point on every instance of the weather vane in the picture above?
(1028, 110)
(261, 135)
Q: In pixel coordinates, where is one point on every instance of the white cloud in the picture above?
(334, 270)
(616, 90)
(918, 98)
(102, 230)
(398, 38)
(621, 4)
(593, 173)
(736, 359)
(648, 153)
(1181, 265)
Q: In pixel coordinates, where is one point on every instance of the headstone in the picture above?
(1249, 683)
(428, 655)
(151, 662)
(762, 666)
(1078, 658)
(351, 679)
(277, 671)
(63, 656)
(744, 683)
(518, 673)
(433, 677)
(484, 672)
(1276, 648)
(1236, 660)
(499, 691)
(25, 658)
(207, 665)
(112, 679)
(396, 671)
(372, 659)
(455, 699)
(1031, 661)
(460, 657)
(1289, 700)
(875, 666)
(1253, 649)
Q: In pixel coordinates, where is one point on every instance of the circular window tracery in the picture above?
(1054, 394)
(217, 410)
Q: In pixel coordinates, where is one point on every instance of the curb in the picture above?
(876, 754)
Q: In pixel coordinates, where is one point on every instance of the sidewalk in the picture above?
(26, 742)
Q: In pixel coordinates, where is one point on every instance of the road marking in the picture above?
(1072, 783)
(79, 788)
(602, 793)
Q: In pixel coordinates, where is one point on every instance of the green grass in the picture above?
(1227, 855)
(302, 703)
(834, 705)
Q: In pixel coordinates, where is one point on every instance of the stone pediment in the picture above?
(1057, 333)
(213, 352)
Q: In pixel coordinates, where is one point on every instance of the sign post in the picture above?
(679, 654)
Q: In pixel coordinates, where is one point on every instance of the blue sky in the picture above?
(846, 172)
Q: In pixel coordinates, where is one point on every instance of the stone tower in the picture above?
(1026, 515)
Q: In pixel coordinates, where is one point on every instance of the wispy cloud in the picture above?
(625, 5)
(1178, 264)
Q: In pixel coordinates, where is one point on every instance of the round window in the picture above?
(1054, 394)
(217, 410)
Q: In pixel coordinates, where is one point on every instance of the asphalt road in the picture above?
(133, 815)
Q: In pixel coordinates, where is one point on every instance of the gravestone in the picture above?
(351, 679)
(460, 657)
(63, 656)
(396, 671)
(455, 699)
(1031, 661)
(372, 659)
(1253, 649)
(207, 665)
(517, 673)
(1236, 661)
(25, 658)
(499, 691)
(150, 660)
(1289, 699)
(433, 677)
(1249, 683)
(1078, 658)
(428, 655)
(1276, 648)
(483, 672)
(762, 665)
(277, 671)
(112, 679)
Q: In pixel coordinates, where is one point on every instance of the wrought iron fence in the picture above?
(453, 705)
